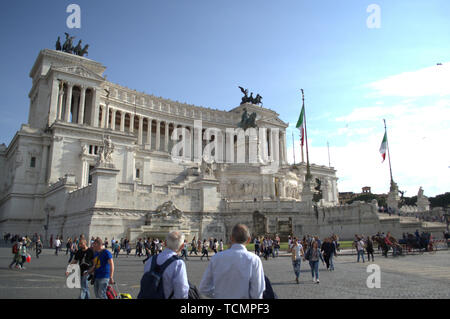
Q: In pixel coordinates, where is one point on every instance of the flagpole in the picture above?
(293, 145)
(308, 171)
(389, 153)
(329, 162)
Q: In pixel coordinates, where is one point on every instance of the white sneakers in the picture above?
(314, 280)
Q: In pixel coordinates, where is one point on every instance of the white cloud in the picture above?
(425, 82)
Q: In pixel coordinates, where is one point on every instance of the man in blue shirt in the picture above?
(103, 269)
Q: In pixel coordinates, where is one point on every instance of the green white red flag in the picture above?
(383, 147)
(301, 126)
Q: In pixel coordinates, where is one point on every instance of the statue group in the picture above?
(247, 121)
(69, 48)
(250, 99)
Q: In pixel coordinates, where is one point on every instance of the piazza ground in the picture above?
(424, 275)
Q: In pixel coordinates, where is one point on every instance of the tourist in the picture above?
(84, 257)
(106, 242)
(313, 255)
(214, 248)
(199, 245)
(51, 241)
(39, 247)
(184, 250)
(326, 249)
(112, 245)
(221, 245)
(159, 246)
(22, 253)
(139, 246)
(174, 278)
(235, 273)
(257, 243)
(116, 248)
(193, 247)
(360, 248)
(72, 250)
(297, 253)
(103, 269)
(57, 245)
(369, 248)
(15, 252)
(204, 250)
(276, 246)
(270, 247)
(127, 246)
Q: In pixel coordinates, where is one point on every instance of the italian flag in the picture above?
(383, 147)
(301, 125)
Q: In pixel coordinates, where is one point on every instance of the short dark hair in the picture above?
(240, 233)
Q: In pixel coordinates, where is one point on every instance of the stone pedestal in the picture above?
(307, 194)
(209, 195)
(393, 198)
(104, 185)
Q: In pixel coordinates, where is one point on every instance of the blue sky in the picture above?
(199, 52)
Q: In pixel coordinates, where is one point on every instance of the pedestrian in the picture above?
(16, 255)
(84, 257)
(184, 250)
(106, 242)
(257, 244)
(22, 253)
(215, 245)
(72, 250)
(360, 248)
(116, 249)
(68, 245)
(51, 241)
(297, 254)
(193, 247)
(174, 275)
(235, 273)
(57, 245)
(103, 269)
(369, 248)
(276, 245)
(314, 255)
(220, 245)
(204, 250)
(38, 247)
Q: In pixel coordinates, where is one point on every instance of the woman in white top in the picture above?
(297, 253)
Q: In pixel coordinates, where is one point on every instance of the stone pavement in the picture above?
(414, 276)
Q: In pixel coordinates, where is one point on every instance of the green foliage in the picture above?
(442, 200)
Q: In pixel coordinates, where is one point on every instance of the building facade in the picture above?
(100, 159)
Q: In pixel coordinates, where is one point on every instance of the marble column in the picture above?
(113, 119)
(122, 121)
(131, 123)
(82, 105)
(141, 128)
(60, 101)
(103, 119)
(158, 135)
(166, 136)
(68, 102)
(149, 133)
(95, 106)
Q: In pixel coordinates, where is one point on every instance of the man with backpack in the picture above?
(165, 274)
(16, 257)
(84, 257)
(103, 268)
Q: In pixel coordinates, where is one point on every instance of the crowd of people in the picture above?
(231, 273)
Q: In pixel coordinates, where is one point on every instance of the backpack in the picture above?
(308, 254)
(268, 292)
(15, 248)
(152, 280)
